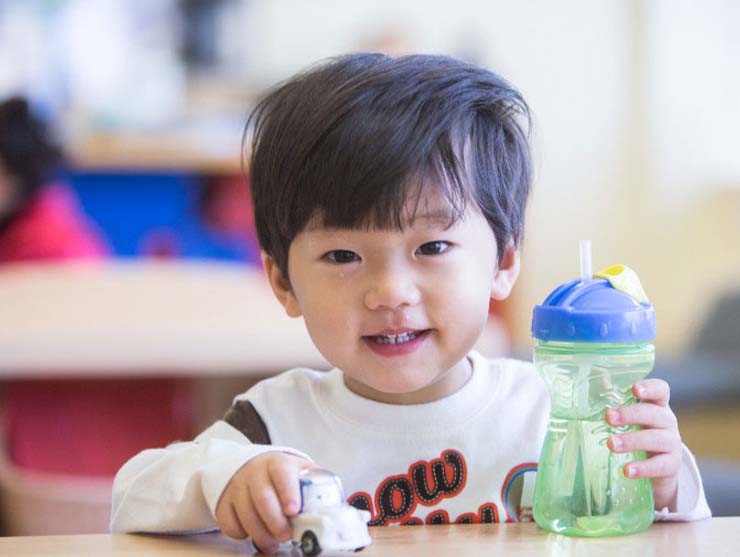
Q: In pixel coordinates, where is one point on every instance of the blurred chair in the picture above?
(721, 331)
(87, 357)
(722, 486)
(705, 394)
(37, 503)
(64, 440)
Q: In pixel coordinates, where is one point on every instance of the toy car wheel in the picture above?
(309, 544)
(359, 548)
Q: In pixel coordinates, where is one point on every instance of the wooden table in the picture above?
(124, 318)
(715, 537)
(148, 318)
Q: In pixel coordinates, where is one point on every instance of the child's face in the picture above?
(397, 311)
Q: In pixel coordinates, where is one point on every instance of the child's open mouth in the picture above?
(395, 339)
(396, 344)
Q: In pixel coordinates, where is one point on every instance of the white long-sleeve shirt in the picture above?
(470, 457)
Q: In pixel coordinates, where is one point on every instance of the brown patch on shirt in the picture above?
(245, 418)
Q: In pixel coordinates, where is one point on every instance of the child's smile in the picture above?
(398, 310)
(396, 342)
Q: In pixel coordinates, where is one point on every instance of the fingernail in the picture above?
(613, 415)
(631, 471)
(266, 548)
(617, 443)
(640, 390)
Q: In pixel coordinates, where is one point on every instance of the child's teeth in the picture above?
(395, 339)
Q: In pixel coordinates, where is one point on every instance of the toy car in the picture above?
(326, 522)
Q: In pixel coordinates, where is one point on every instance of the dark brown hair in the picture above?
(26, 150)
(350, 140)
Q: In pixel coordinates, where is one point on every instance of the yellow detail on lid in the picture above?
(625, 279)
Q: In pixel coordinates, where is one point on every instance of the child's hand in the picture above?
(260, 497)
(659, 438)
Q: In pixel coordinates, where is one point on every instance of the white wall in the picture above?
(611, 146)
(604, 132)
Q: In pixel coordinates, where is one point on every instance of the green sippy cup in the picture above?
(593, 345)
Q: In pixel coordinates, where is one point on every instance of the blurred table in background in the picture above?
(144, 319)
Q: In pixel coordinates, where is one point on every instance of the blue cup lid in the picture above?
(593, 310)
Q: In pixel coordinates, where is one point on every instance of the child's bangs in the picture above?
(386, 202)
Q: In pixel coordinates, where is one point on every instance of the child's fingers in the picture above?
(256, 528)
(284, 478)
(268, 508)
(648, 440)
(658, 466)
(644, 414)
(229, 522)
(656, 391)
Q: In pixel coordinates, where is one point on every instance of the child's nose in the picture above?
(391, 290)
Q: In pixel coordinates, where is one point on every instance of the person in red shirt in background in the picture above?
(81, 427)
(38, 220)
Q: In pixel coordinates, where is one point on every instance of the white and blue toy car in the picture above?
(326, 522)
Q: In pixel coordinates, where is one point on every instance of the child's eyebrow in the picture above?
(436, 216)
(441, 217)
(423, 219)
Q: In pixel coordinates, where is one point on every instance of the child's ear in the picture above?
(506, 273)
(280, 286)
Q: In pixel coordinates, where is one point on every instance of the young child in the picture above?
(40, 219)
(389, 198)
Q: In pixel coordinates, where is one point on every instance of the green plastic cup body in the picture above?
(581, 488)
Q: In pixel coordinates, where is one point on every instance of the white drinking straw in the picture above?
(586, 270)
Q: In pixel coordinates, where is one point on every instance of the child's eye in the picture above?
(433, 248)
(341, 256)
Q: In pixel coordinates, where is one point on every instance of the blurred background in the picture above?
(131, 302)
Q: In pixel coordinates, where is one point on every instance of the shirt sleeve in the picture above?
(176, 489)
(691, 502)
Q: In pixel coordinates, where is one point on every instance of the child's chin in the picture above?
(393, 389)
(404, 389)
(397, 385)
